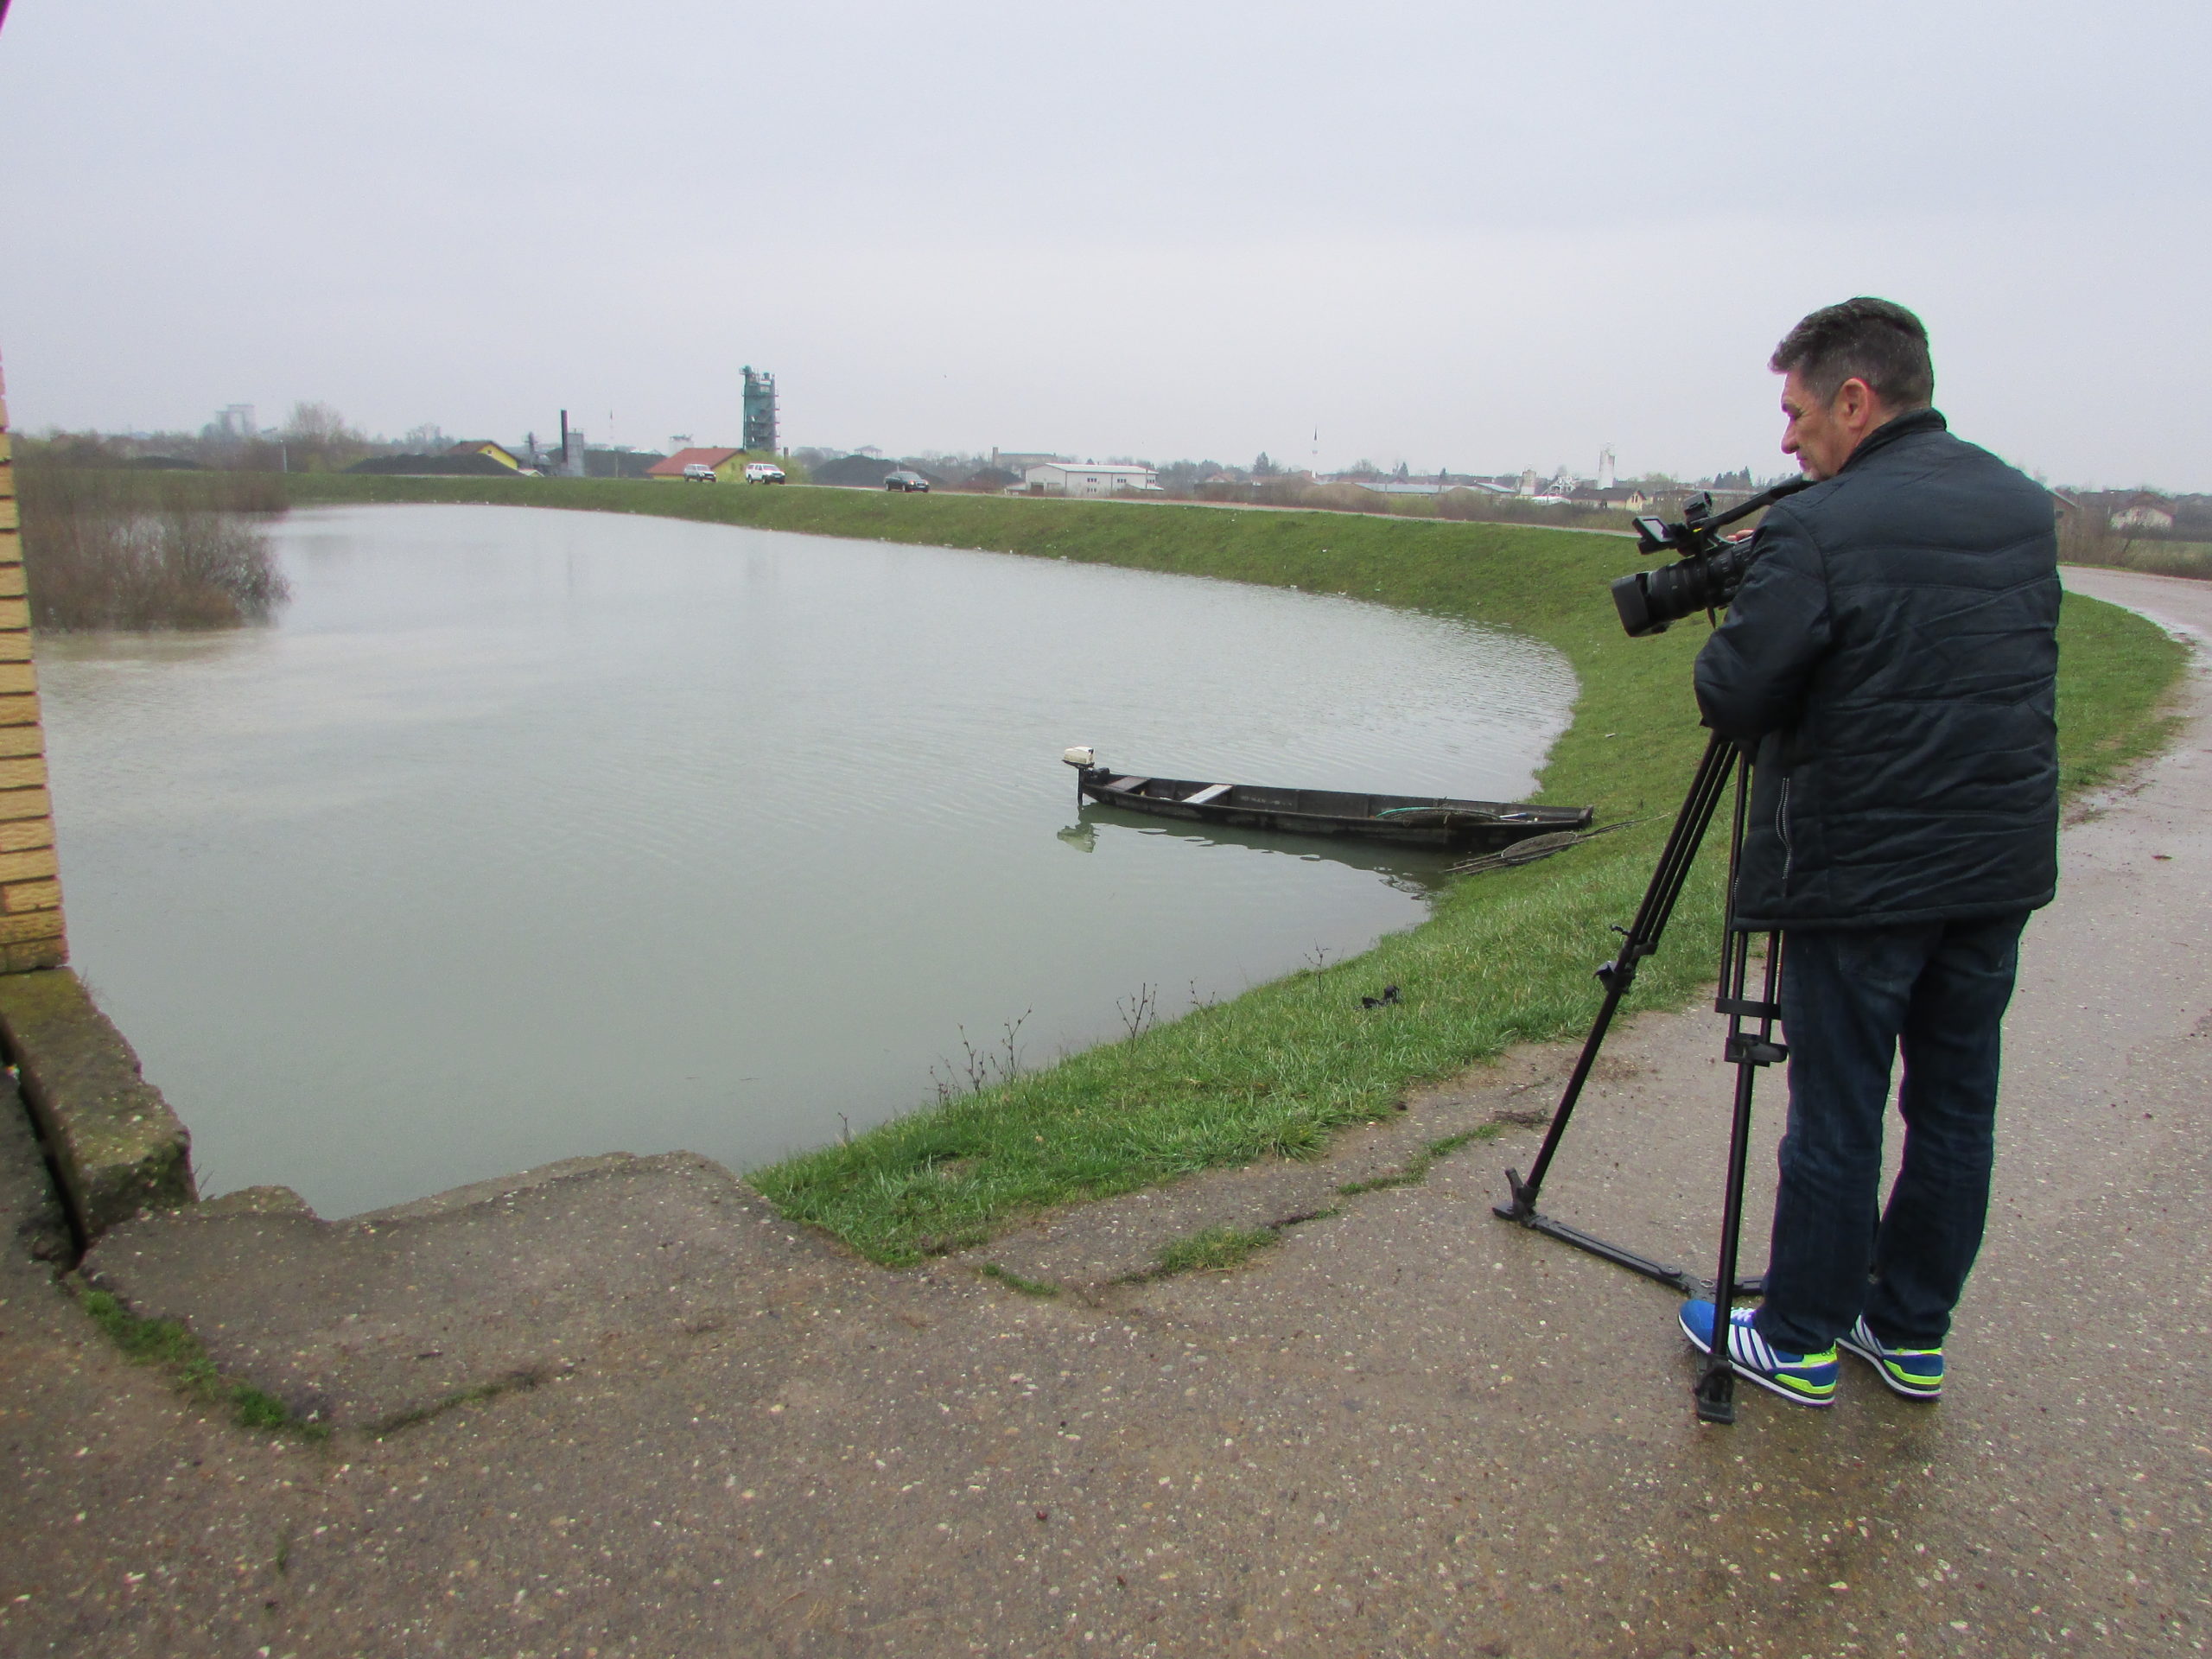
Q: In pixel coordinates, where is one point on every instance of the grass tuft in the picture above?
(1014, 1280)
(1417, 1171)
(169, 1346)
(1213, 1249)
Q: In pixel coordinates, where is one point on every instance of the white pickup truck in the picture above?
(763, 472)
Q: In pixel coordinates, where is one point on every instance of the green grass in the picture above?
(170, 1346)
(1014, 1282)
(2116, 675)
(1213, 1249)
(1505, 959)
(1416, 1172)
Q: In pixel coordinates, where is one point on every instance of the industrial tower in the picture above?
(759, 412)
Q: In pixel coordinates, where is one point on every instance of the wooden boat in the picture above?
(1409, 820)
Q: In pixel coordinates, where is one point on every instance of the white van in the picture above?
(763, 472)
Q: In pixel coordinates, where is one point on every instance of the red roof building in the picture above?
(727, 464)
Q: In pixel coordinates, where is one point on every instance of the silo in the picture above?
(759, 412)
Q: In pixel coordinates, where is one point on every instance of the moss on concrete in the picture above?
(118, 1146)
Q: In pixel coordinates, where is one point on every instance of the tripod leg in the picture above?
(1706, 785)
(1716, 1384)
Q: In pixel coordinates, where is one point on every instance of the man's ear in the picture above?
(1855, 403)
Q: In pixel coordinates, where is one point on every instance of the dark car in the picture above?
(903, 480)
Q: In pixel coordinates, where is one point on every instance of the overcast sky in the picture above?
(1476, 236)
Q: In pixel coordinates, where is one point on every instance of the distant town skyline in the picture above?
(1489, 238)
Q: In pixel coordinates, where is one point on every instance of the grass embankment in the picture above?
(1505, 959)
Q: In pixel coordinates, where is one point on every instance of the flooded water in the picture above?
(524, 834)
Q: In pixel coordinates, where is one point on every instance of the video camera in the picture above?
(1706, 578)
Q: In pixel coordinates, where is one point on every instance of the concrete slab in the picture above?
(502, 1284)
(118, 1147)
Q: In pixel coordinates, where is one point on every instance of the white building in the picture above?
(2144, 514)
(1086, 477)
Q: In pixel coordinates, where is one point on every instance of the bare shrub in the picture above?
(147, 550)
(317, 439)
(1483, 506)
(1336, 497)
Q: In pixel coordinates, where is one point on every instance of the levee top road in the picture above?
(525, 834)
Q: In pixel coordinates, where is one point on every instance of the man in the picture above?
(1891, 662)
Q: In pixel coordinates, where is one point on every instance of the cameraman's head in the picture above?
(1848, 369)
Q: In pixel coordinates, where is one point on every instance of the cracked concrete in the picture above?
(501, 1284)
(1407, 1429)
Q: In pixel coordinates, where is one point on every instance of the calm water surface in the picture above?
(525, 834)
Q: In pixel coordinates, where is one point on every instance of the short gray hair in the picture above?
(1875, 340)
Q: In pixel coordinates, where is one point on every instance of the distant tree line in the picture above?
(158, 553)
(314, 438)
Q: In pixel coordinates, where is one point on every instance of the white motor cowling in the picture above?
(1078, 757)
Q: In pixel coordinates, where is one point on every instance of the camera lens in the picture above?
(1633, 601)
(1648, 600)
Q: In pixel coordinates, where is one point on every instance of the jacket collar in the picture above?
(1904, 426)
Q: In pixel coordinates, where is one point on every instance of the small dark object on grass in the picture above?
(1389, 997)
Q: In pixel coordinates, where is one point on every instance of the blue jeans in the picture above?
(1850, 999)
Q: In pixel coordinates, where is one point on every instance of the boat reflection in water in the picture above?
(1418, 872)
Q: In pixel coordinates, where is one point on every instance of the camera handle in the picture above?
(1751, 1044)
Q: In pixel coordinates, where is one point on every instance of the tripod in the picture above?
(1750, 1046)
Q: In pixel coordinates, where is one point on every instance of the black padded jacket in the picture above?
(1891, 660)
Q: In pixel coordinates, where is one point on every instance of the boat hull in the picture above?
(1403, 820)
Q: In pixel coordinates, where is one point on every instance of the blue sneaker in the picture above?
(1809, 1379)
(1915, 1373)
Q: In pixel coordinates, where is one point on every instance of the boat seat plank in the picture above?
(1210, 792)
(1130, 785)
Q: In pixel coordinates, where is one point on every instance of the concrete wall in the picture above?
(31, 931)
